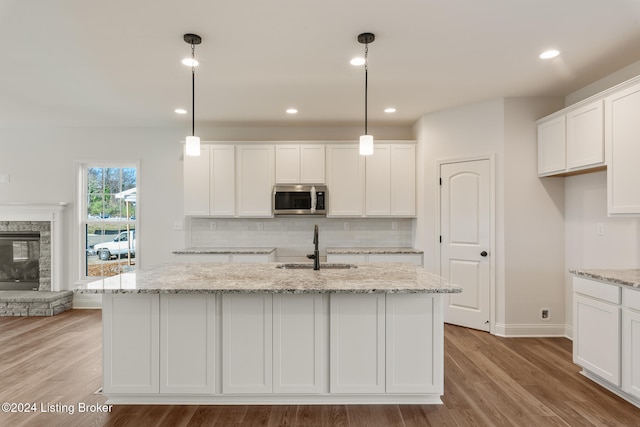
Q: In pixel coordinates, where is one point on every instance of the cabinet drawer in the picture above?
(631, 298)
(599, 290)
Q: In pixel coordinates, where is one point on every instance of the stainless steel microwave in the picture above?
(302, 199)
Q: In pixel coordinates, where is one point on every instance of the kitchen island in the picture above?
(223, 333)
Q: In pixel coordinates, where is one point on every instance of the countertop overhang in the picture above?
(625, 277)
(192, 278)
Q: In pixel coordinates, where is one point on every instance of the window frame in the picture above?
(82, 219)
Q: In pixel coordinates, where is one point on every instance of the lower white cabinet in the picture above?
(299, 343)
(414, 344)
(187, 359)
(597, 337)
(357, 343)
(631, 342)
(131, 326)
(247, 343)
(414, 258)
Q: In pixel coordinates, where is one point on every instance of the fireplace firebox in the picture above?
(19, 260)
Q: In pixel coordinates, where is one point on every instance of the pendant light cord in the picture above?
(366, 86)
(193, 90)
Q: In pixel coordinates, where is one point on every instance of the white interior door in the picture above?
(465, 230)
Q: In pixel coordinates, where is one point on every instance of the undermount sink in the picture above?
(309, 266)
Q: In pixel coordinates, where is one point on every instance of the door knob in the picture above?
(483, 253)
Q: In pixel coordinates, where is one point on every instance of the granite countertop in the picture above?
(205, 251)
(373, 250)
(188, 278)
(629, 277)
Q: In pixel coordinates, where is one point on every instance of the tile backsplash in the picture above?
(293, 236)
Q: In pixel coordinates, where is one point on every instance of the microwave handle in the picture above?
(314, 200)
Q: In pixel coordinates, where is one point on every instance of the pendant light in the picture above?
(193, 141)
(366, 140)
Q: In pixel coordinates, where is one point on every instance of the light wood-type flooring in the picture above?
(488, 381)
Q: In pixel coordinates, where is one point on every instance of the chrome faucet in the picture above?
(316, 253)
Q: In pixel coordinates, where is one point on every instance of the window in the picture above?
(108, 219)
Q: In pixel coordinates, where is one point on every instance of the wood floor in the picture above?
(488, 381)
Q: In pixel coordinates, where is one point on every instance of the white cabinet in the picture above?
(631, 342)
(131, 327)
(187, 360)
(357, 343)
(345, 180)
(300, 164)
(597, 328)
(390, 180)
(254, 175)
(552, 154)
(247, 341)
(358, 258)
(622, 130)
(571, 140)
(299, 343)
(196, 182)
(415, 342)
(585, 136)
(209, 182)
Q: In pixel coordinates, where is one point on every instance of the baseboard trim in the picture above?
(531, 330)
(87, 301)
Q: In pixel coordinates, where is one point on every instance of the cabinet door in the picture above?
(299, 331)
(596, 342)
(622, 128)
(247, 343)
(410, 258)
(187, 337)
(378, 181)
(552, 146)
(403, 180)
(288, 164)
(585, 136)
(415, 342)
(357, 343)
(347, 258)
(631, 352)
(196, 183)
(130, 343)
(312, 164)
(345, 179)
(255, 180)
(223, 189)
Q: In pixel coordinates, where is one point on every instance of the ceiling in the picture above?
(117, 62)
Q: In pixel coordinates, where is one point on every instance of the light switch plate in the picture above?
(5, 178)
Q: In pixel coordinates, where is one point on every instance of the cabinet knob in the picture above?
(483, 253)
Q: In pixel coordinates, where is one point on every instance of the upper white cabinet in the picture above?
(390, 180)
(572, 140)
(209, 181)
(585, 136)
(300, 164)
(552, 154)
(345, 180)
(622, 132)
(255, 179)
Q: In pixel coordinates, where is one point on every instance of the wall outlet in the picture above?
(260, 226)
(178, 226)
(545, 314)
(212, 226)
(600, 229)
(346, 226)
(394, 225)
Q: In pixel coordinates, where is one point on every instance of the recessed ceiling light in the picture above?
(292, 111)
(390, 110)
(190, 62)
(357, 61)
(548, 54)
(180, 111)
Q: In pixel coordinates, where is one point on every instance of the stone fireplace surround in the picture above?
(46, 219)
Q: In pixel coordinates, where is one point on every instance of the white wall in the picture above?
(526, 276)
